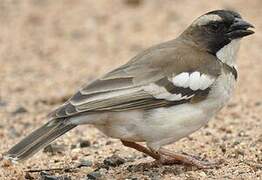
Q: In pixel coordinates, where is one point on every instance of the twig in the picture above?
(52, 169)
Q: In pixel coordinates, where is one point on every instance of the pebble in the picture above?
(29, 176)
(94, 175)
(54, 149)
(84, 143)
(109, 142)
(6, 163)
(258, 103)
(152, 175)
(202, 174)
(20, 110)
(13, 133)
(242, 134)
(46, 176)
(236, 142)
(133, 2)
(239, 152)
(223, 148)
(85, 163)
(3, 103)
(131, 178)
(114, 161)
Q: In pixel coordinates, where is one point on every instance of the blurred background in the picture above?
(48, 49)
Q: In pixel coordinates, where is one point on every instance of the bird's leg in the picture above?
(166, 157)
(175, 158)
(141, 148)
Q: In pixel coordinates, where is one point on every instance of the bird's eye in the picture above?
(214, 27)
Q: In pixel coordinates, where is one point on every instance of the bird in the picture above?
(161, 95)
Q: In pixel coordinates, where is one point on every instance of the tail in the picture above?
(38, 139)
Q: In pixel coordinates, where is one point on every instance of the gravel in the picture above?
(114, 161)
(50, 48)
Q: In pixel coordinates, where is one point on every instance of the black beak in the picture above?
(240, 29)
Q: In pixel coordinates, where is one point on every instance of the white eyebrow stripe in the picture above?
(205, 19)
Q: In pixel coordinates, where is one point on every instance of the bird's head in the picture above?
(216, 29)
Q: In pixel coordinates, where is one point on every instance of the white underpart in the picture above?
(193, 81)
(205, 19)
(228, 53)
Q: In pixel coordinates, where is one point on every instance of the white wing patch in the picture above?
(205, 81)
(193, 81)
(161, 93)
(181, 80)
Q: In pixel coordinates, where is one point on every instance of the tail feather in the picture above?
(38, 139)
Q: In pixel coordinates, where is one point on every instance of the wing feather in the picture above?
(143, 83)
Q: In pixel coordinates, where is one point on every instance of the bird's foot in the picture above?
(170, 158)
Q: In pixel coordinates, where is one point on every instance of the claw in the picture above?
(170, 158)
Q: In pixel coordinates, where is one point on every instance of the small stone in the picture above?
(54, 149)
(131, 158)
(46, 176)
(94, 175)
(13, 133)
(242, 134)
(73, 146)
(202, 174)
(84, 143)
(223, 148)
(152, 175)
(2, 103)
(109, 142)
(133, 2)
(132, 178)
(29, 176)
(236, 142)
(20, 110)
(6, 163)
(114, 161)
(239, 152)
(85, 163)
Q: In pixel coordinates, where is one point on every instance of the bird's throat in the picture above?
(228, 53)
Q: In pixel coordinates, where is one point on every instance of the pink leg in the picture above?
(141, 148)
(175, 158)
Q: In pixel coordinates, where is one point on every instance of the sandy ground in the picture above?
(50, 48)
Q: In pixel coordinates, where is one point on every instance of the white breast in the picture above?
(223, 89)
(167, 125)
